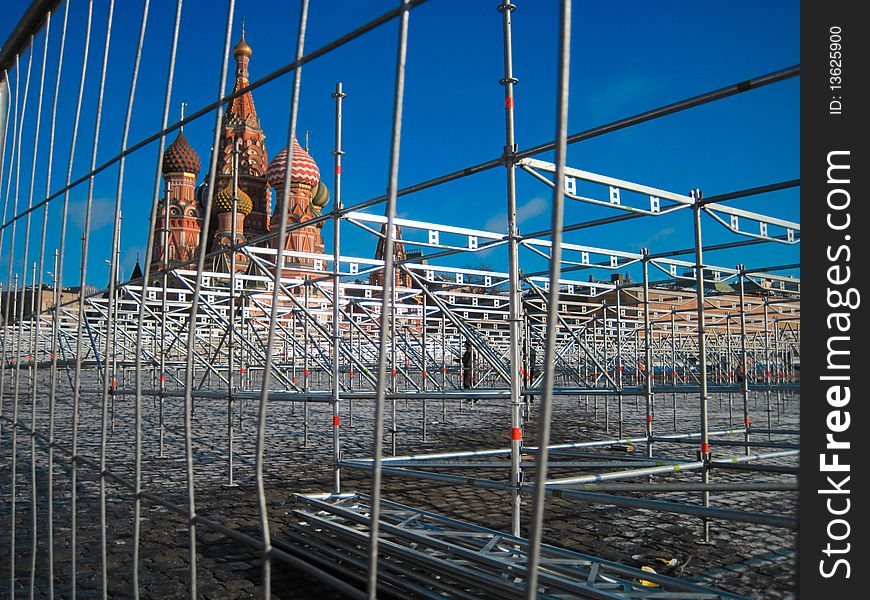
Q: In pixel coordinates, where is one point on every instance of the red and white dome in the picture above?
(304, 169)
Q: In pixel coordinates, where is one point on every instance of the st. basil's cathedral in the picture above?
(242, 147)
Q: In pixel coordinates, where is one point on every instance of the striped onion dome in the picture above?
(321, 196)
(180, 157)
(223, 201)
(304, 169)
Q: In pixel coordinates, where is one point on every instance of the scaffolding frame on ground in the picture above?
(323, 334)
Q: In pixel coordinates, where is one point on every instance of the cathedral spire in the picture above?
(241, 125)
(241, 109)
(242, 51)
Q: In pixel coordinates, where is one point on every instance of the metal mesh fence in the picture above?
(127, 410)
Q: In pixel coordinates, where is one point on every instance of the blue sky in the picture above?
(626, 57)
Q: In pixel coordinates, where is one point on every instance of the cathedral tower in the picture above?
(241, 122)
(180, 241)
(308, 196)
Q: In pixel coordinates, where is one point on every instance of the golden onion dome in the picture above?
(223, 201)
(242, 47)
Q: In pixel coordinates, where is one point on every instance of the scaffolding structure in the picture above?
(148, 354)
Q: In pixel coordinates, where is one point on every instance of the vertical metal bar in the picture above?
(744, 358)
(767, 365)
(546, 408)
(161, 341)
(443, 325)
(5, 110)
(14, 159)
(6, 300)
(674, 363)
(386, 301)
(305, 364)
(189, 370)
(38, 318)
(16, 367)
(647, 355)
(231, 321)
(58, 287)
(595, 374)
(729, 370)
(33, 359)
(636, 360)
(394, 427)
(111, 309)
(146, 278)
(281, 209)
(515, 307)
(619, 324)
(702, 354)
(336, 295)
(114, 356)
(13, 491)
(777, 369)
(353, 352)
(82, 316)
(17, 327)
(423, 366)
(51, 411)
(605, 363)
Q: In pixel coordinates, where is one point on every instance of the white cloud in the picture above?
(657, 236)
(529, 210)
(614, 96)
(102, 213)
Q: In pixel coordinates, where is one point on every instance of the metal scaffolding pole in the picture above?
(606, 363)
(231, 321)
(619, 380)
(386, 300)
(767, 359)
(423, 367)
(729, 368)
(516, 303)
(702, 355)
(336, 295)
(649, 368)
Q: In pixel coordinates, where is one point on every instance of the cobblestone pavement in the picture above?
(754, 560)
